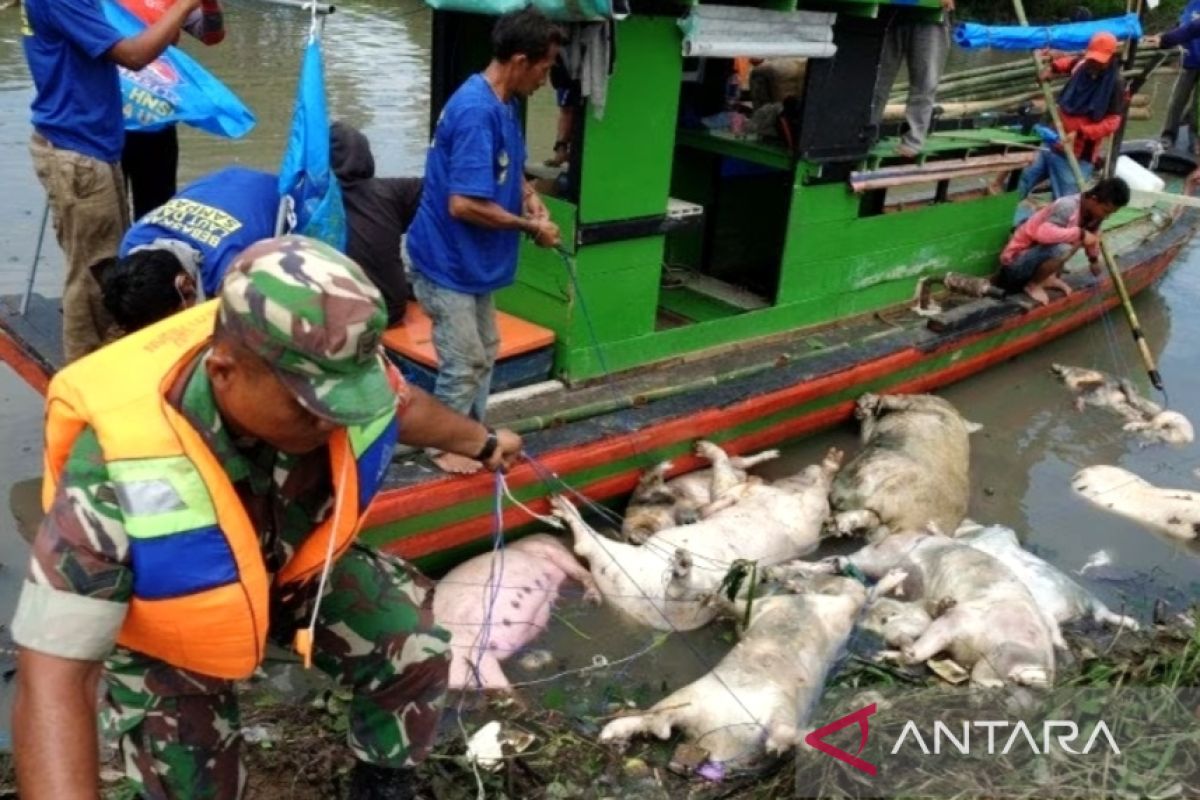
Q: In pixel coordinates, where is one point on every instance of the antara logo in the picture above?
(816, 739)
(1064, 733)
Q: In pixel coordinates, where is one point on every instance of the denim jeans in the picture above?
(1056, 167)
(466, 341)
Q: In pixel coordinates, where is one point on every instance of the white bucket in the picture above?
(1139, 179)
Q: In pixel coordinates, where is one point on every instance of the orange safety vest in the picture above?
(200, 587)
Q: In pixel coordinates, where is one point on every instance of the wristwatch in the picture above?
(489, 446)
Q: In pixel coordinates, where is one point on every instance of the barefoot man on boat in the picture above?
(1034, 257)
(206, 478)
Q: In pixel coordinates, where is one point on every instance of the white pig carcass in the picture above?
(659, 503)
(912, 473)
(1175, 512)
(663, 582)
(1056, 593)
(757, 700)
(981, 613)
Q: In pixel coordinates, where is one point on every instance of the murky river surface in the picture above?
(377, 57)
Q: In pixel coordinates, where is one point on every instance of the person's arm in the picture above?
(426, 422)
(1095, 131)
(207, 23)
(532, 203)
(472, 184)
(1181, 35)
(135, 52)
(490, 214)
(54, 727)
(1060, 226)
(72, 604)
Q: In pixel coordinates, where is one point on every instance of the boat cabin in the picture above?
(702, 207)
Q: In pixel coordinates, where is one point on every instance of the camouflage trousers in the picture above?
(178, 732)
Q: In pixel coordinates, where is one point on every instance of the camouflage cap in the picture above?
(317, 320)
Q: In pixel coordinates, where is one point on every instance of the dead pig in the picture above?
(1055, 592)
(1095, 388)
(662, 583)
(659, 503)
(758, 698)
(1175, 512)
(982, 615)
(912, 472)
(495, 608)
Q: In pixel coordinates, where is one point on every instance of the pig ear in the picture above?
(973, 427)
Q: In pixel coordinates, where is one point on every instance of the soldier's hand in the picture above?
(508, 448)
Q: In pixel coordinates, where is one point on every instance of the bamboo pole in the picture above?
(1114, 273)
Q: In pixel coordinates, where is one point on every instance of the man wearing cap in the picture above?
(208, 498)
(1090, 106)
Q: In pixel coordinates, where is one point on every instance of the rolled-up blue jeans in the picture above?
(466, 341)
(1056, 167)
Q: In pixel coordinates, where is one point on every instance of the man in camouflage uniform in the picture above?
(178, 730)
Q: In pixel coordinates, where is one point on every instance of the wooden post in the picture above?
(1114, 273)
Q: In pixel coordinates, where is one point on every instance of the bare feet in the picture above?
(1037, 294)
(456, 464)
(1057, 283)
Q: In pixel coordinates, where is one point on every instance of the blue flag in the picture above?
(1068, 36)
(306, 176)
(174, 88)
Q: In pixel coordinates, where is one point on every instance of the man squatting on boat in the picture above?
(180, 252)
(195, 507)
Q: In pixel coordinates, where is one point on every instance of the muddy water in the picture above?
(377, 62)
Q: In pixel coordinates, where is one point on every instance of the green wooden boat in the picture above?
(736, 288)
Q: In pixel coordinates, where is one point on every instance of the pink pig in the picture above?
(526, 585)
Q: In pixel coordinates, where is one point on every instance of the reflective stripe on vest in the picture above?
(201, 593)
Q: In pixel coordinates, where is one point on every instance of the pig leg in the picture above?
(724, 475)
(483, 672)
(848, 523)
(746, 462)
(936, 638)
(1144, 407)
(657, 723)
(1102, 615)
(652, 486)
(573, 569)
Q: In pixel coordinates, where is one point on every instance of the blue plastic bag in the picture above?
(174, 88)
(1071, 36)
(306, 175)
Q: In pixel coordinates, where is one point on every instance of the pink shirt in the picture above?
(1057, 223)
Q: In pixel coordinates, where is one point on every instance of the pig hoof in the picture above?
(833, 458)
(1030, 676)
(593, 597)
(867, 406)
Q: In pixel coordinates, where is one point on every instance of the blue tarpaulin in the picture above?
(174, 88)
(306, 176)
(1071, 36)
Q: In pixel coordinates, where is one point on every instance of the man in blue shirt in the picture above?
(474, 205)
(79, 131)
(1186, 35)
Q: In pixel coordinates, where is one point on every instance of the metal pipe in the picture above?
(37, 254)
(1109, 262)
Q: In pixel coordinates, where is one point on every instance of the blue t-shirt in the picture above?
(78, 102)
(220, 215)
(478, 152)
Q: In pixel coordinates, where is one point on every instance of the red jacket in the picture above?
(1089, 135)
